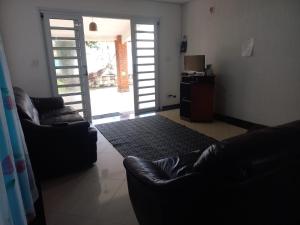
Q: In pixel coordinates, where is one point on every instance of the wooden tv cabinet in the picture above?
(197, 98)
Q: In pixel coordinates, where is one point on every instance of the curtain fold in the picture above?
(18, 191)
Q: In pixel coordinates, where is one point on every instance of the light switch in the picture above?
(35, 63)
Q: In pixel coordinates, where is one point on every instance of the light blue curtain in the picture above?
(17, 186)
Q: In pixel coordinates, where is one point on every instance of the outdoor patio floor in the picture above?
(108, 100)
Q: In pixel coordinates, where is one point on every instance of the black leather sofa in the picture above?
(57, 137)
(250, 179)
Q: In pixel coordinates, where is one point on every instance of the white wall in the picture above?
(20, 26)
(264, 88)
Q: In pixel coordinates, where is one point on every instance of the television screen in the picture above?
(194, 63)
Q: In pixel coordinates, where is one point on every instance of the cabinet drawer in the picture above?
(185, 90)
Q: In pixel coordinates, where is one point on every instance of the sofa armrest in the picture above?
(145, 171)
(56, 149)
(158, 198)
(47, 104)
(150, 174)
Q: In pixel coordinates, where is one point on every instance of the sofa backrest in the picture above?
(264, 142)
(253, 153)
(255, 176)
(26, 109)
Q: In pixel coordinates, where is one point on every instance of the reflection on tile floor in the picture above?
(216, 129)
(123, 116)
(99, 195)
(95, 196)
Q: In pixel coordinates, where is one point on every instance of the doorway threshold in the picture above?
(97, 117)
(115, 117)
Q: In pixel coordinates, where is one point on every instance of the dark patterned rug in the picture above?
(153, 137)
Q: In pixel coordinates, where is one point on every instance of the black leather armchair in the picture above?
(57, 137)
(249, 179)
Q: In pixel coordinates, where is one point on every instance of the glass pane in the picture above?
(145, 52)
(65, 53)
(64, 81)
(145, 44)
(63, 33)
(146, 76)
(72, 98)
(146, 91)
(146, 83)
(61, 23)
(66, 62)
(66, 90)
(145, 36)
(64, 43)
(146, 98)
(76, 106)
(146, 68)
(147, 60)
(67, 72)
(144, 27)
(146, 105)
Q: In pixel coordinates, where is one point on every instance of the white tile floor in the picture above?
(99, 195)
(96, 196)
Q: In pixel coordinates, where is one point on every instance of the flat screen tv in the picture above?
(194, 63)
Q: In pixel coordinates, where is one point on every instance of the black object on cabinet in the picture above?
(197, 98)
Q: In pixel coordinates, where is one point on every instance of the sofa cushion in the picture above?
(26, 109)
(211, 164)
(178, 165)
(46, 104)
(67, 118)
(57, 112)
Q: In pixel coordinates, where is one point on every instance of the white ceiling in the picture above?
(108, 29)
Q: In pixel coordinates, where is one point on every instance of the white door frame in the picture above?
(132, 18)
(146, 21)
